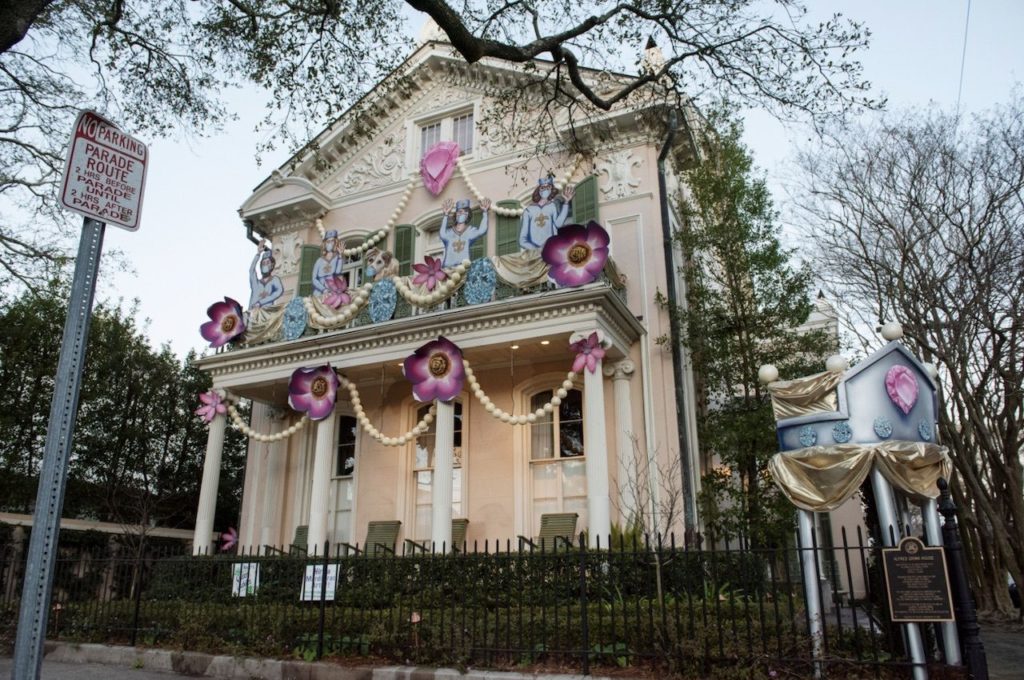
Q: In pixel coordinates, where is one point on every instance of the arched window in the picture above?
(423, 474)
(352, 268)
(557, 467)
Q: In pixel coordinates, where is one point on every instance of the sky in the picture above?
(190, 249)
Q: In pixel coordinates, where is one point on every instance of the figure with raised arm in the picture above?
(547, 213)
(458, 235)
(264, 286)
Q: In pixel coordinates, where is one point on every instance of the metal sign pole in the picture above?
(35, 595)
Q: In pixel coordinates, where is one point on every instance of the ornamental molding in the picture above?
(617, 169)
(620, 370)
(381, 166)
(288, 252)
(477, 326)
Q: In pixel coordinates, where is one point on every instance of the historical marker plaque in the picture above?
(917, 582)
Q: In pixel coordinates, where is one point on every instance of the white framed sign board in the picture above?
(104, 172)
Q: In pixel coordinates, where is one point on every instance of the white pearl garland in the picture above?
(239, 424)
(357, 405)
(346, 313)
(445, 289)
(508, 212)
(381, 233)
(510, 418)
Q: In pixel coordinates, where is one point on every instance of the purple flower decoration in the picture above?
(229, 539)
(312, 391)
(576, 254)
(336, 294)
(588, 353)
(429, 274)
(212, 407)
(435, 370)
(225, 324)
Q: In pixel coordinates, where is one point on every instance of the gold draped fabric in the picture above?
(821, 478)
(264, 324)
(803, 396)
(524, 269)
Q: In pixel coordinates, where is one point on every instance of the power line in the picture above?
(963, 58)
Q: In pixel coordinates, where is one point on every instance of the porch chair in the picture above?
(557, 530)
(381, 537)
(458, 539)
(298, 546)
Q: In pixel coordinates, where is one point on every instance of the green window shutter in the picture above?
(507, 230)
(404, 234)
(584, 203)
(479, 247)
(309, 256)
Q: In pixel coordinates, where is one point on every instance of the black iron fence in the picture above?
(721, 611)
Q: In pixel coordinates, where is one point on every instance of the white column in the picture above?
(629, 481)
(809, 564)
(441, 484)
(323, 459)
(273, 486)
(208, 489)
(595, 445)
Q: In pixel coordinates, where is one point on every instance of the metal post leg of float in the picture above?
(890, 538)
(810, 568)
(933, 532)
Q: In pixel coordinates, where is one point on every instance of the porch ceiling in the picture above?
(538, 325)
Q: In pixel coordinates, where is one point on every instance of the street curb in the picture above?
(201, 665)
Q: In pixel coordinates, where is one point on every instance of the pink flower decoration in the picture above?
(212, 407)
(336, 294)
(313, 390)
(901, 385)
(429, 274)
(226, 323)
(437, 166)
(435, 370)
(576, 254)
(229, 539)
(588, 353)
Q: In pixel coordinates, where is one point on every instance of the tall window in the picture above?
(429, 136)
(557, 467)
(458, 128)
(423, 474)
(343, 478)
(352, 268)
(462, 132)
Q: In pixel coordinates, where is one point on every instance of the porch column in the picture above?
(273, 486)
(208, 488)
(323, 458)
(628, 481)
(595, 445)
(441, 484)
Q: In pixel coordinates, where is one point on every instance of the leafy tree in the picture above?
(920, 219)
(744, 303)
(138, 450)
(153, 66)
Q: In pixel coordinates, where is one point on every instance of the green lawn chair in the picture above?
(458, 539)
(381, 537)
(299, 544)
(557, 531)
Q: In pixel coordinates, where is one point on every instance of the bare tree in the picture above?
(651, 494)
(161, 66)
(920, 218)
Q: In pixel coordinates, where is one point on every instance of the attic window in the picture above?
(458, 128)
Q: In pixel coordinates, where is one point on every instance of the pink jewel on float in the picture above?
(901, 386)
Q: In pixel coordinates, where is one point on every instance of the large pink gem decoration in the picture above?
(437, 166)
(901, 385)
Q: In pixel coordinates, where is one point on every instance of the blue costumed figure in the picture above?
(546, 214)
(329, 263)
(459, 237)
(265, 288)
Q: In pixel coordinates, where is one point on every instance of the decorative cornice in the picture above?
(474, 326)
